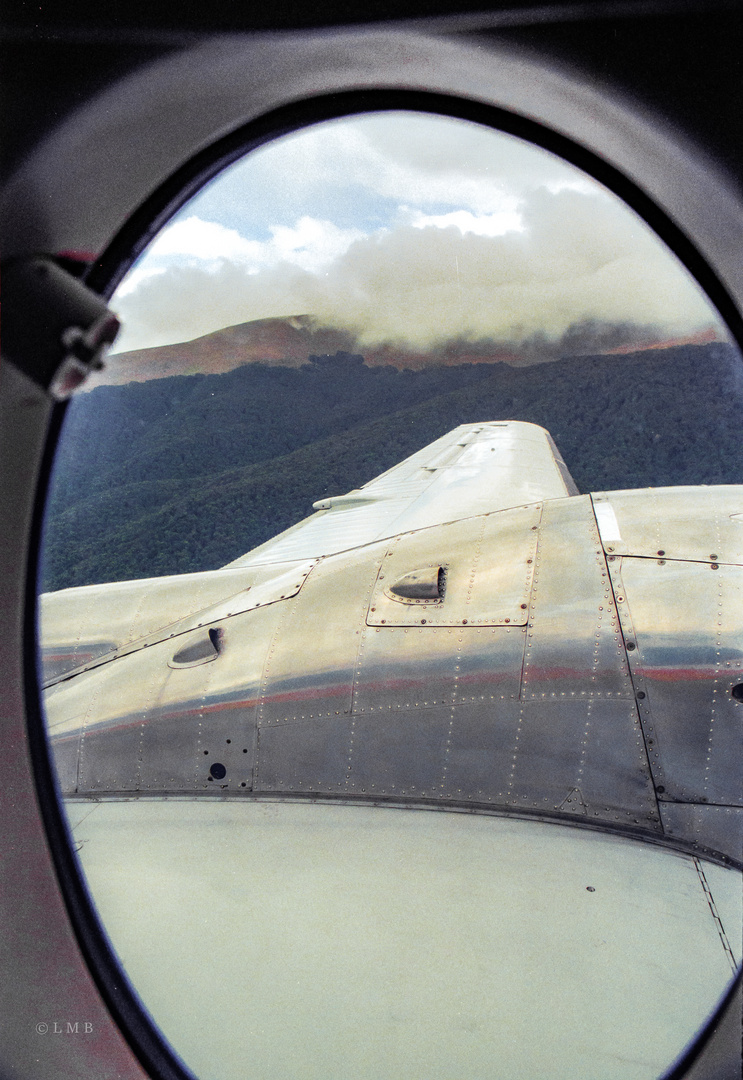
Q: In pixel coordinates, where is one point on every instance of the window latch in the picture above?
(55, 328)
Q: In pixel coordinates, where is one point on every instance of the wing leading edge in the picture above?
(474, 469)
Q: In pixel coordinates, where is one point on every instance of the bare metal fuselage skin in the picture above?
(577, 660)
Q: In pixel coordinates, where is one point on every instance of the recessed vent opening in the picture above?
(199, 650)
(425, 585)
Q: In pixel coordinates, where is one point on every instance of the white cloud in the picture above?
(358, 168)
(577, 259)
(310, 244)
(135, 278)
(435, 160)
(473, 233)
(467, 222)
(206, 241)
(187, 301)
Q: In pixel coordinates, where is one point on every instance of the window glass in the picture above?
(455, 260)
(412, 486)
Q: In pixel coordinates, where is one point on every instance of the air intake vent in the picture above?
(420, 586)
(199, 649)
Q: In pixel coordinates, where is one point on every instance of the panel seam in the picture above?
(715, 915)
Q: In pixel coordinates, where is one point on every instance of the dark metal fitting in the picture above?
(55, 329)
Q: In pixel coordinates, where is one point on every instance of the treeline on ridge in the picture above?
(187, 473)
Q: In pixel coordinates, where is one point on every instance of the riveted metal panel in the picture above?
(205, 715)
(109, 761)
(305, 755)
(488, 663)
(424, 753)
(313, 653)
(717, 829)
(695, 523)
(585, 757)
(422, 667)
(488, 562)
(403, 668)
(263, 586)
(171, 720)
(573, 645)
(137, 724)
(475, 469)
(122, 694)
(227, 738)
(492, 466)
(399, 753)
(78, 624)
(58, 659)
(683, 624)
(269, 585)
(65, 755)
(219, 699)
(479, 748)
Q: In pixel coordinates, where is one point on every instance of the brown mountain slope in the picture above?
(290, 340)
(287, 341)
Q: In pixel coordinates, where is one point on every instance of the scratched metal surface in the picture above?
(307, 695)
(80, 624)
(695, 523)
(686, 623)
(488, 563)
(609, 693)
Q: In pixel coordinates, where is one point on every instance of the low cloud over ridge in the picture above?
(580, 268)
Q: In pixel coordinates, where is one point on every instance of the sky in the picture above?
(411, 230)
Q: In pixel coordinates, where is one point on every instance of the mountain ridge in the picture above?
(287, 341)
(191, 472)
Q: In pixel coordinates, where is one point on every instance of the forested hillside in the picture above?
(189, 472)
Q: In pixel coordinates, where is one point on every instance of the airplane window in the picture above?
(390, 619)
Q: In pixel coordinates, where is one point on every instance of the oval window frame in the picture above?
(104, 275)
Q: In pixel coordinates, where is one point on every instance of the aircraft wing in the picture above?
(78, 625)
(474, 469)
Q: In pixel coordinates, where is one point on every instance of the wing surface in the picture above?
(80, 624)
(474, 469)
